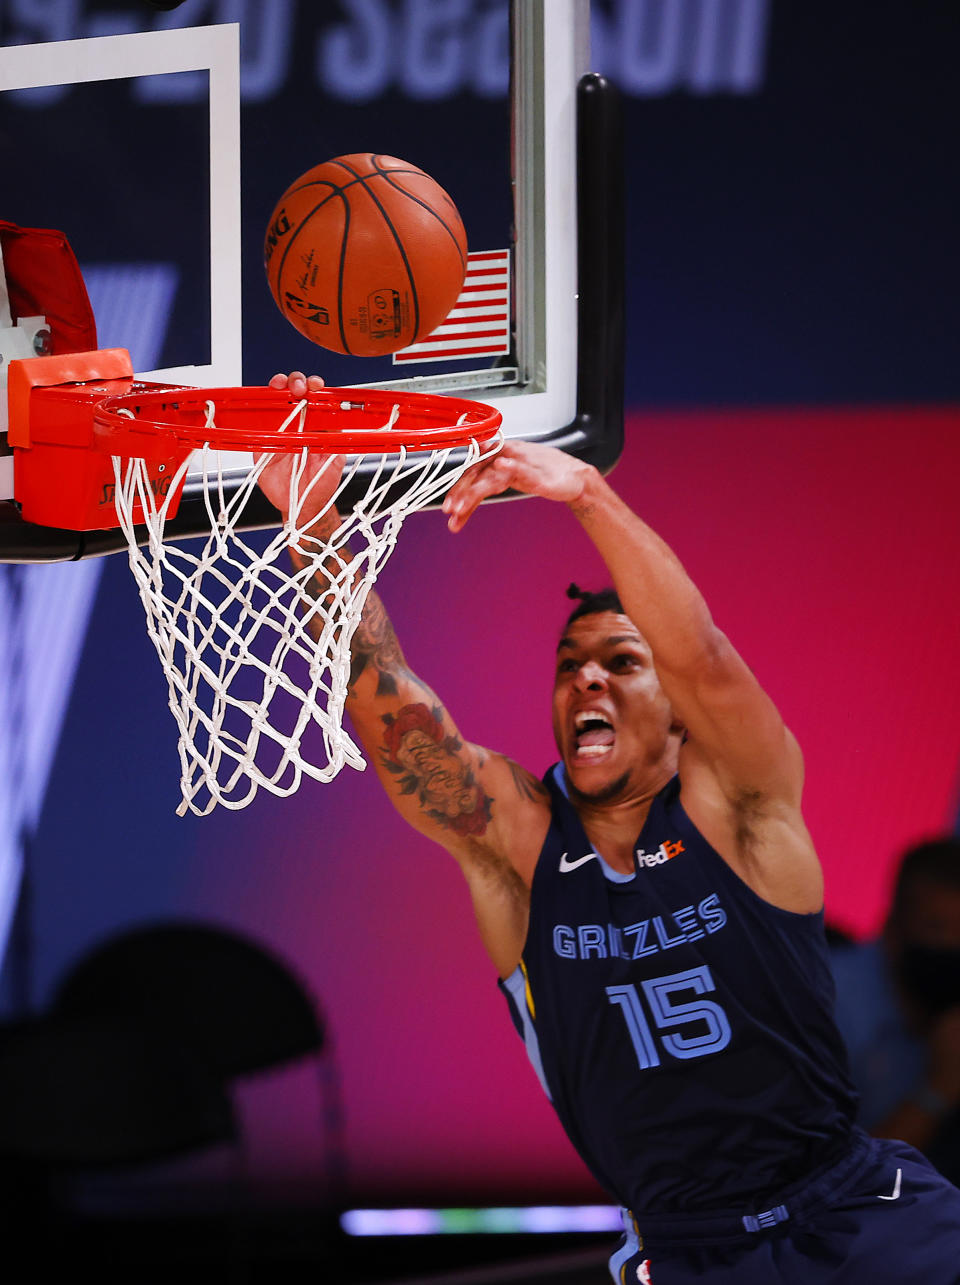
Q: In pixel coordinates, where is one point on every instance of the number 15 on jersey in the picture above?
(669, 1013)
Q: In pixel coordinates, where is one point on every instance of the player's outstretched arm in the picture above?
(741, 769)
(488, 812)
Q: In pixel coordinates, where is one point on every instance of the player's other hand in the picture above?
(528, 467)
(298, 383)
(321, 476)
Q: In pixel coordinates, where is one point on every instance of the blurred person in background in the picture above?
(898, 1008)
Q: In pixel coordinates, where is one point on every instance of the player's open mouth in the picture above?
(593, 736)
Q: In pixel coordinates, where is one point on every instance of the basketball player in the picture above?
(654, 911)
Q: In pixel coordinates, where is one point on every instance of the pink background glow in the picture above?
(827, 544)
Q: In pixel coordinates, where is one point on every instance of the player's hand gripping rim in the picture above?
(298, 383)
(275, 480)
(528, 467)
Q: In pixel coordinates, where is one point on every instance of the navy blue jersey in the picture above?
(681, 1025)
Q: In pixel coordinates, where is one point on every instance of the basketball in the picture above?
(365, 254)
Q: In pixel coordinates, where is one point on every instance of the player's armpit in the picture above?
(742, 780)
(757, 828)
(501, 905)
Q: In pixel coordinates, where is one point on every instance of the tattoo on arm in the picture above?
(375, 644)
(430, 764)
(528, 787)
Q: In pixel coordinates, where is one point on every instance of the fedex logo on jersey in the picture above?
(668, 849)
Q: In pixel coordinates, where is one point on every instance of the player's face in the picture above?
(611, 720)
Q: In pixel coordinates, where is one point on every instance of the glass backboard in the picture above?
(165, 148)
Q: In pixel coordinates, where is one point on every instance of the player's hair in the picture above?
(589, 603)
(937, 861)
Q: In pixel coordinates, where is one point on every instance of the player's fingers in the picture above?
(486, 478)
(465, 504)
(297, 382)
(466, 497)
(457, 521)
(458, 507)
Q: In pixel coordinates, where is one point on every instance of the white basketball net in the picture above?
(255, 661)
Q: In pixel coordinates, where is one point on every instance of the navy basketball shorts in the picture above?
(881, 1216)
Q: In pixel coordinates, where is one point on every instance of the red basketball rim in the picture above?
(341, 421)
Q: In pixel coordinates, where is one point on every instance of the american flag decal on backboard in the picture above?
(478, 324)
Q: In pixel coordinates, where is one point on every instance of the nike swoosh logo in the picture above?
(566, 866)
(896, 1188)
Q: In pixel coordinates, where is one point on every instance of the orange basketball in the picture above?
(365, 254)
